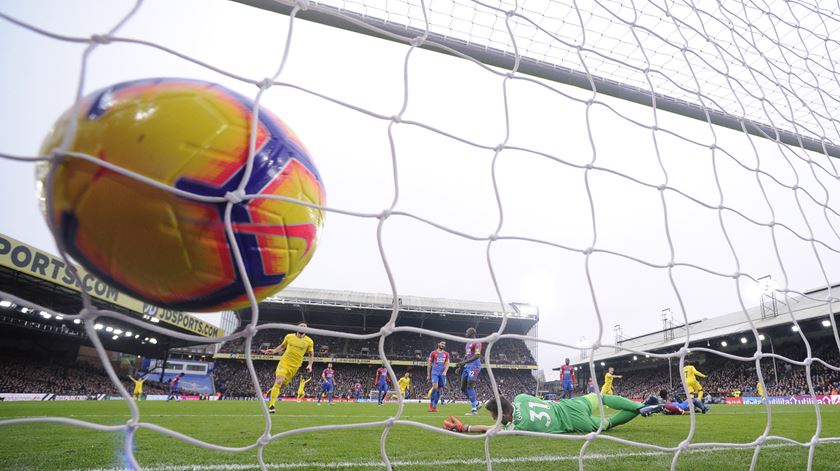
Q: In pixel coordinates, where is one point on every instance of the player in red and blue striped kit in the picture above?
(567, 379)
(357, 391)
(327, 383)
(174, 387)
(472, 367)
(436, 372)
(381, 380)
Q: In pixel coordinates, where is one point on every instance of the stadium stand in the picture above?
(726, 378)
(41, 353)
(645, 375)
(53, 291)
(22, 374)
(44, 352)
(513, 360)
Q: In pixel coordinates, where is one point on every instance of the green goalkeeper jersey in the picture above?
(536, 415)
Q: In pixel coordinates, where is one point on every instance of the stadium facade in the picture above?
(780, 322)
(38, 289)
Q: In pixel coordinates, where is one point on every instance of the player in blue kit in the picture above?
(677, 408)
(567, 379)
(436, 373)
(174, 387)
(472, 367)
(381, 381)
(327, 383)
(681, 408)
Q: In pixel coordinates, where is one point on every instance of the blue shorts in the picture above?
(471, 372)
(327, 387)
(382, 387)
(439, 379)
(567, 385)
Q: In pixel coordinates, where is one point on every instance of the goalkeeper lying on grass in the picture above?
(532, 414)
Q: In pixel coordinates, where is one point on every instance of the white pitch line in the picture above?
(280, 415)
(211, 415)
(426, 464)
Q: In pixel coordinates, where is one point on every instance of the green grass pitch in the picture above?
(240, 423)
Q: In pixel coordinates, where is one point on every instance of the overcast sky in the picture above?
(449, 182)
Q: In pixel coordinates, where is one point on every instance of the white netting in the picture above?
(770, 65)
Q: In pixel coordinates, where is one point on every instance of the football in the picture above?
(173, 250)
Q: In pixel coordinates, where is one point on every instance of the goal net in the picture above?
(604, 160)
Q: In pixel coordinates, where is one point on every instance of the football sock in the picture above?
(622, 417)
(472, 398)
(275, 391)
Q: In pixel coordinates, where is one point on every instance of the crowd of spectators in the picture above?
(21, 374)
(399, 346)
(727, 378)
(233, 381)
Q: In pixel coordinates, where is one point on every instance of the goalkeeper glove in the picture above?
(453, 424)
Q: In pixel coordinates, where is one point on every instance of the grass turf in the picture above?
(51, 446)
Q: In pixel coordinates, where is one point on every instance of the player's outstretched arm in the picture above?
(452, 424)
(280, 349)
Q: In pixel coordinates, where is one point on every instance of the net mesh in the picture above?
(772, 63)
